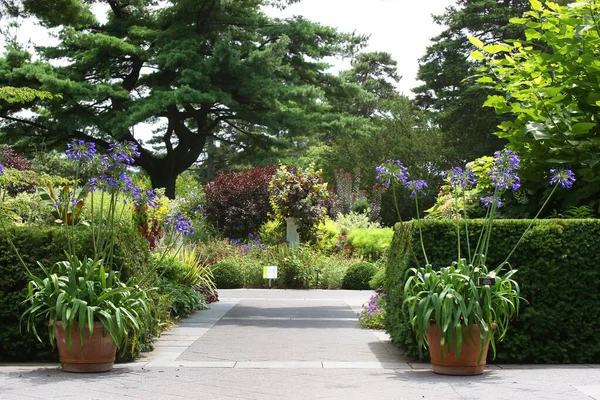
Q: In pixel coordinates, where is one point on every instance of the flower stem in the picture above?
(528, 228)
(420, 231)
(396, 202)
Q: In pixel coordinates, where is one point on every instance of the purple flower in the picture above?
(124, 153)
(80, 150)
(563, 177)
(392, 171)
(1, 169)
(487, 201)
(180, 224)
(503, 169)
(460, 178)
(417, 187)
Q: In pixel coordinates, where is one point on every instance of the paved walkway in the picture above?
(284, 344)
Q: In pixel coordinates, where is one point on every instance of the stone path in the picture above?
(276, 344)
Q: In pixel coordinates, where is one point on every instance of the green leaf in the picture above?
(536, 5)
(497, 48)
(485, 79)
(582, 127)
(475, 42)
(477, 55)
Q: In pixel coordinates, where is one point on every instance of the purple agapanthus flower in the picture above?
(124, 153)
(487, 201)
(80, 150)
(563, 177)
(392, 171)
(180, 224)
(461, 178)
(503, 170)
(416, 187)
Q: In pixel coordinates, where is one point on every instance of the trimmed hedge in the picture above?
(47, 244)
(358, 276)
(558, 266)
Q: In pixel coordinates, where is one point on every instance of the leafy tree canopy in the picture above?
(550, 81)
(188, 67)
(458, 103)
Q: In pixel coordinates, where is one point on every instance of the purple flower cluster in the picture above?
(123, 153)
(253, 242)
(80, 150)
(1, 169)
(563, 177)
(373, 307)
(461, 178)
(503, 170)
(416, 187)
(392, 171)
(489, 200)
(180, 224)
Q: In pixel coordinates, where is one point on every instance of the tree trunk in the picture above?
(164, 179)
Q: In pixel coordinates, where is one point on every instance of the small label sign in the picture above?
(487, 280)
(270, 272)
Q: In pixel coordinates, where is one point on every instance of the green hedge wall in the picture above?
(558, 266)
(47, 244)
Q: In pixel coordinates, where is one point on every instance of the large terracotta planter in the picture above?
(97, 354)
(468, 363)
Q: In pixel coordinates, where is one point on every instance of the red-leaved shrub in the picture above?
(237, 203)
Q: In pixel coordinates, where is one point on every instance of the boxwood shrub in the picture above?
(558, 266)
(47, 244)
(358, 276)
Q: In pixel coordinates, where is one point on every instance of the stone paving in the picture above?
(278, 344)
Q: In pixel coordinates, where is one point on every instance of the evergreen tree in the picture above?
(190, 67)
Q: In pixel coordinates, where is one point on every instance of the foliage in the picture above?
(297, 267)
(455, 102)
(78, 293)
(549, 83)
(227, 275)
(556, 265)
(272, 232)
(184, 300)
(27, 208)
(298, 194)
(582, 212)
(372, 243)
(398, 129)
(14, 181)
(237, 203)
(46, 243)
(209, 70)
(9, 158)
(354, 220)
(372, 315)
(60, 199)
(327, 235)
(358, 276)
(376, 282)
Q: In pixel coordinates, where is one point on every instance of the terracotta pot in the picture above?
(468, 363)
(97, 354)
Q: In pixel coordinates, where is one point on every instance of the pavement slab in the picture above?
(288, 344)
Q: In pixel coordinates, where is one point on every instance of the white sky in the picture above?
(401, 28)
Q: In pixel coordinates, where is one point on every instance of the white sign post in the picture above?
(270, 272)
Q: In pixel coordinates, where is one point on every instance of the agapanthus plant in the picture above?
(391, 174)
(454, 297)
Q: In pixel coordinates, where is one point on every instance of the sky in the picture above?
(402, 30)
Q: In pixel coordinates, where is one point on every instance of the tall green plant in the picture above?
(549, 82)
(468, 292)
